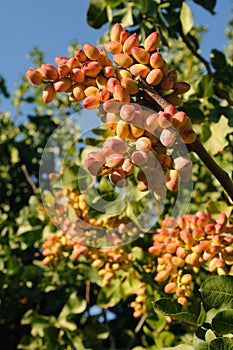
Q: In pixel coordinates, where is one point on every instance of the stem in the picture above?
(28, 178)
(196, 146)
(215, 169)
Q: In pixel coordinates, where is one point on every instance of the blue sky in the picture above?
(52, 25)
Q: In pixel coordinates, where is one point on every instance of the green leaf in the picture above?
(202, 315)
(110, 295)
(205, 87)
(222, 323)
(97, 13)
(113, 3)
(175, 310)
(218, 141)
(217, 291)
(218, 60)
(179, 347)
(221, 344)
(207, 4)
(77, 178)
(199, 344)
(186, 18)
(124, 16)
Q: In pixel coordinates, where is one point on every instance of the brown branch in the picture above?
(210, 163)
(222, 93)
(28, 178)
(196, 146)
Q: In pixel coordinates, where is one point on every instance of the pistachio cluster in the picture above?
(144, 140)
(91, 77)
(182, 246)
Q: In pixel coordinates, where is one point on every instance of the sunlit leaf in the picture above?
(186, 18)
(217, 141)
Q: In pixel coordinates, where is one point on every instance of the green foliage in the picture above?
(214, 320)
(65, 305)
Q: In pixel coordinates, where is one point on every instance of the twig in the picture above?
(28, 178)
(137, 329)
(196, 146)
(210, 163)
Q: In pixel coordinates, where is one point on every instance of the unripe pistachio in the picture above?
(183, 301)
(94, 163)
(166, 84)
(130, 85)
(143, 186)
(172, 180)
(177, 261)
(121, 94)
(130, 42)
(170, 288)
(91, 68)
(154, 77)
(162, 276)
(48, 71)
(73, 62)
(168, 137)
(221, 219)
(91, 52)
(34, 76)
(114, 47)
(152, 41)
(91, 91)
(179, 119)
(103, 95)
(170, 110)
(98, 263)
(77, 75)
(123, 60)
(108, 71)
(143, 143)
(198, 233)
(63, 84)
(117, 178)
(60, 60)
(63, 70)
(89, 82)
(112, 120)
(151, 122)
(103, 58)
(78, 91)
(181, 252)
(115, 32)
(139, 157)
(156, 60)
(186, 279)
(127, 166)
(174, 99)
(122, 129)
(164, 160)
(140, 70)
(124, 35)
(127, 112)
(182, 163)
(136, 131)
(122, 73)
(181, 87)
(173, 75)
(215, 263)
(140, 55)
(111, 83)
(188, 136)
(192, 258)
(101, 82)
(164, 119)
(48, 94)
(90, 102)
(114, 160)
(80, 55)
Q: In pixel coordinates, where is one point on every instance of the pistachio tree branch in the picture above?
(196, 146)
